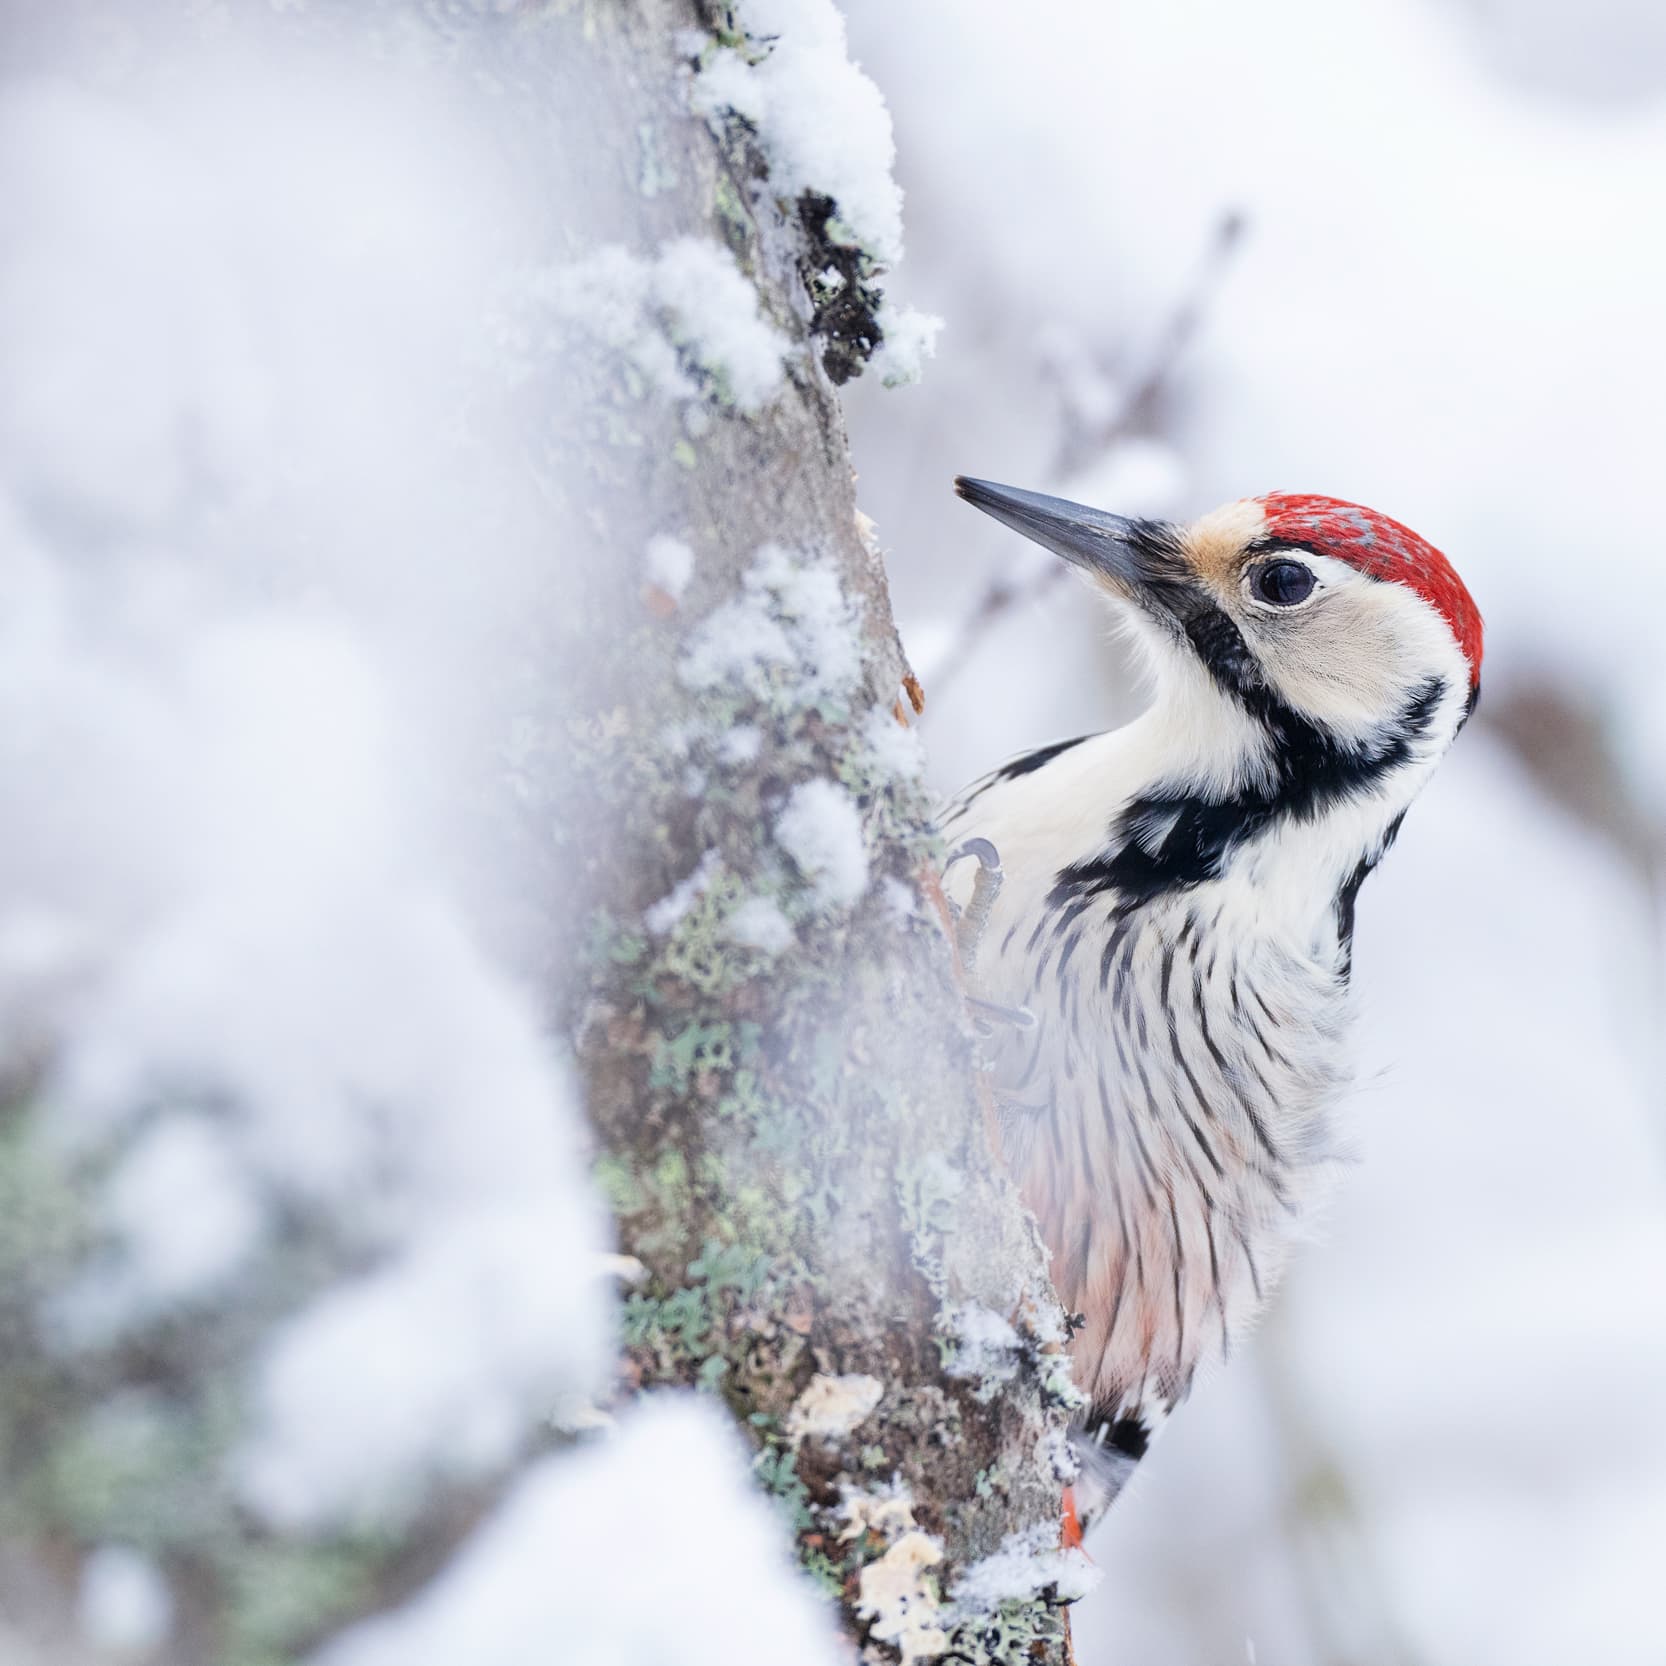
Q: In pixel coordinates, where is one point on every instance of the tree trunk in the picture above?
(777, 1052)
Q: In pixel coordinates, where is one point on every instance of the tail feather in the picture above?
(1108, 1448)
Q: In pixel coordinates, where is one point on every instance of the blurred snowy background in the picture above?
(1437, 292)
(255, 577)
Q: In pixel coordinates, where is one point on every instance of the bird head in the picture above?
(1338, 634)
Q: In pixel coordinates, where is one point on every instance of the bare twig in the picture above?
(1079, 445)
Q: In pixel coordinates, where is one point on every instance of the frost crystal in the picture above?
(690, 308)
(821, 122)
(821, 829)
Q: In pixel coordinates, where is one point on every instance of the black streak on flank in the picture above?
(1311, 773)
(1029, 762)
(1348, 896)
(1025, 764)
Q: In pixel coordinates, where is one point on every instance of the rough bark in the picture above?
(794, 1143)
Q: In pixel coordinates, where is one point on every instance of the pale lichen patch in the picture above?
(897, 1595)
(830, 1407)
(886, 1514)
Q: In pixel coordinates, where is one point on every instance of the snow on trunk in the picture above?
(452, 735)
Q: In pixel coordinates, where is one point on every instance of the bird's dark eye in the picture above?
(1283, 583)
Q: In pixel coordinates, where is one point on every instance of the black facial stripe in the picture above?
(1348, 897)
(1312, 771)
(1221, 647)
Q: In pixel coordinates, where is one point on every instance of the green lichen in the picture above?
(729, 210)
(776, 1468)
(1012, 1633)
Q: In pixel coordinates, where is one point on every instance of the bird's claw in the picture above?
(971, 921)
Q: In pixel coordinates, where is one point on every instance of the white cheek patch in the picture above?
(1350, 656)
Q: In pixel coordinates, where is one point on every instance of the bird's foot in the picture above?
(971, 921)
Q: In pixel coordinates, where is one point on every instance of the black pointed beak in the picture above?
(1141, 559)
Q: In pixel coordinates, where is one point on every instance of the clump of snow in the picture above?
(895, 747)
(986, 1347)
(569, 1562)
(741, 744)
(792, 630)
(821, 830)
(688, 307)
(358, 1411)
(899, 898)
(821, 122)
(183, 1209)
(662, 917)
(1029, 1562)
(124, 1606)
(758, 923)
(909, 339)
(830, 1407)
(896, 1596)
(669, 564)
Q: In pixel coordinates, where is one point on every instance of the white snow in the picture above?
(792, 630)
(986, 1345)
(822, 123)
(125, 1608)
(758, 923)
(821, 829)
(1028, 1563)
(895, 747)
(183, 1207)
(669, 564)
(909, 339)
(687, 305)
(581, 1560)
(663, 917)
(741, 744)
(899, 898)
